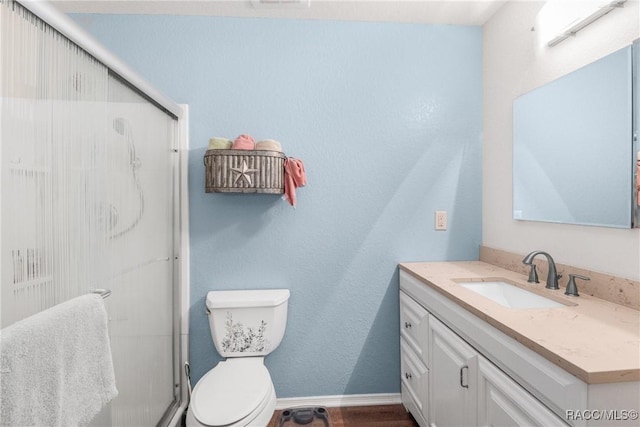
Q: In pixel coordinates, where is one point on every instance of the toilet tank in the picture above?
(247, 322)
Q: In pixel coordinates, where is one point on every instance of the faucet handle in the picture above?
(572, 289)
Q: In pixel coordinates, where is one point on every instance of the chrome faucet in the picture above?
(552, 276)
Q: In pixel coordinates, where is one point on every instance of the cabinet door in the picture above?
(503, 402)
(414, 322)
(453, 373)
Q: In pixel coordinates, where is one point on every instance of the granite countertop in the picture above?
(593, 339)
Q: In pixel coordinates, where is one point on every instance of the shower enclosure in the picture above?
(89, 167)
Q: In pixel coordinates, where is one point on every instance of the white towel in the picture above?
(56, 367)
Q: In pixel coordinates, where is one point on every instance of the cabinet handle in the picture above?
(462, 384)
(407, 375)
(407, 325)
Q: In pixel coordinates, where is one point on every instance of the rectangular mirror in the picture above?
(574, 155)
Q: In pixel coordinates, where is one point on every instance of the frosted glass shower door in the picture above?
(137, 210)
(87, 201)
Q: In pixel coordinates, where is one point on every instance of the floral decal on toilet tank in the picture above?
(239, 338)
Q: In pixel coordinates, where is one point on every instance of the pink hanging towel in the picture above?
(294, 177)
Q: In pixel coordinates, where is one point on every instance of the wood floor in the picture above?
(364, 416)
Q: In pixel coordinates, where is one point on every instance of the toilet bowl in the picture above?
(239, 392)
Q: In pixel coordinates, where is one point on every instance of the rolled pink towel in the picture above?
(294, 176)
(244, 142)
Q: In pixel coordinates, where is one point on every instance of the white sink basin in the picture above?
(509, 295)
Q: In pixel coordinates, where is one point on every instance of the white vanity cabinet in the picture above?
(446, 381)
(471, 363)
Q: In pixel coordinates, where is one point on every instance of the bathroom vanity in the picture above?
(468, 360)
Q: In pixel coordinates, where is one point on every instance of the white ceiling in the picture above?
(452, 12)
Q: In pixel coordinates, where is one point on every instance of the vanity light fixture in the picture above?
(597, 11)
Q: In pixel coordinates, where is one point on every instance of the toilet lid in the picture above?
(231, 391)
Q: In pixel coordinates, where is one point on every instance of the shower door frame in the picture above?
(173, 414)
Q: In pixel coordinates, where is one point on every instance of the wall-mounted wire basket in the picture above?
(244, 171)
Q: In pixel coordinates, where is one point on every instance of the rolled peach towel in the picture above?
(268, 145)
(244, 142)
(294, 177)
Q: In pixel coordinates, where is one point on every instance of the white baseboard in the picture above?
(340, 400)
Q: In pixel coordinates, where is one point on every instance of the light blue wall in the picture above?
(387, 119)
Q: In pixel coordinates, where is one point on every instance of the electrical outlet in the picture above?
(441, 220)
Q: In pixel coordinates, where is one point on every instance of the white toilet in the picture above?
(238, 392)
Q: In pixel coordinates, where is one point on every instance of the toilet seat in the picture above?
(233, 392)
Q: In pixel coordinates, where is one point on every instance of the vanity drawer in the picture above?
(415, 379)
(411, 406)
(414, 326)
